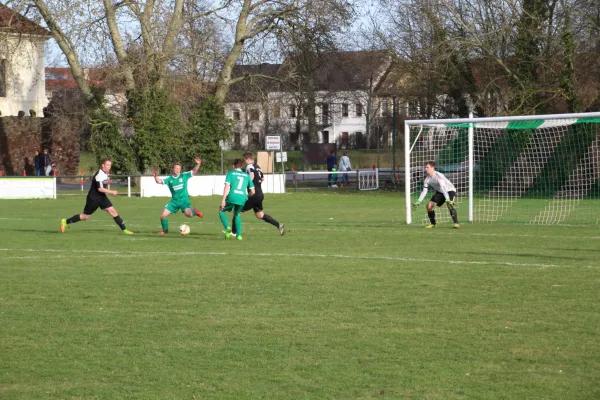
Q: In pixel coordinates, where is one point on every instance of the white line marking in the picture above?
(295, 255)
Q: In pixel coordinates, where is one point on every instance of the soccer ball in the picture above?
(184, 229)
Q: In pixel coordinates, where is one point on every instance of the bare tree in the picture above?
(255, 19)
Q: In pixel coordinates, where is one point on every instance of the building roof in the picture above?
(351, 70)
(13, 22)
(337, 71)
(62, 78)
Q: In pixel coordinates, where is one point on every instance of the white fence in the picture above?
(200, 185)
(27, 188)
(206, 185)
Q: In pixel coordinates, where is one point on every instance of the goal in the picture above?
(542, 169)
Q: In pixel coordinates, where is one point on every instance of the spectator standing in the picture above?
(46, 163)
(331, 164)
(36, 164)
(345, 166)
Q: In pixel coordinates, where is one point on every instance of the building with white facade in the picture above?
(347, 95)
(22, 82)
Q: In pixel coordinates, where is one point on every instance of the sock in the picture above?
(233, 228)
(238, 224)
(431, 215)
(270, 220)
(119, 222)
(73, 219)
(454, 216)
(164, 223)
(223, 218)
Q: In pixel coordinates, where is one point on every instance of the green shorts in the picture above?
(174, 206)
(235, 207)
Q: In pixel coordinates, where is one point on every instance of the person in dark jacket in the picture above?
(331, 164)
(46, 164)
(36, 164)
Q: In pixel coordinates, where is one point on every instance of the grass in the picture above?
(350, 304)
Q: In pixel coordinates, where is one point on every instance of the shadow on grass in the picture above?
(527, 255)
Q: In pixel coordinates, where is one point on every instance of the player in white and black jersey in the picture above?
(255, 202)
(445, 192)
(97, 198)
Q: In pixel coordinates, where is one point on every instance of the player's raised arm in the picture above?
(198, 162)
(423, 192)
(156, 178)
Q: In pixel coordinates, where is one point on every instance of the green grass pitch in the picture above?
(350, 304)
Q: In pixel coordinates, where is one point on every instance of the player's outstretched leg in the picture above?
(454, 216)
(223, 218)
(75, 218)
(431, 215)
(198, 212)
(270, 220)
(164, 222)
(237, 210)
(118, 220)
(233, 228)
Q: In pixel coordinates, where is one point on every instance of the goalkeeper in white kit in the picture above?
(445, 192)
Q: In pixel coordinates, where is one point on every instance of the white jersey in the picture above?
(439, 183)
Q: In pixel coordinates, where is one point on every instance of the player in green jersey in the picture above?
(177, 184)
(238, 186)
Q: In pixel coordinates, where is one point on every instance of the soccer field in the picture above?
(350, 304)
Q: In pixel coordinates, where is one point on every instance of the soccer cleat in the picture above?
(281, 229)
(227, 233)
(238, 238)
(63, 225)
(198, 212)
(162, 233)
(127, 232)
(456, 226)
(430, 226)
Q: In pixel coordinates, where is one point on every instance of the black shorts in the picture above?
(92, 205)
(254, 203)
(439, 199)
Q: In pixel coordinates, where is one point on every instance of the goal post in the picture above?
(540, 169)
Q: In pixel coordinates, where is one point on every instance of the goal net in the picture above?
(541, 169)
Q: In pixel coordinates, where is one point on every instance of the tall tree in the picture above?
(307, 38)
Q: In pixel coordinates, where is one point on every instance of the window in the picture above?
(344, 140)
(305, 111)
(236, 115)
(276, 112)
(358, 109)
(384, 108)
(254, 114)
(237, 140)
(2, 78)
(292, 111)
(359, 140)
(325, 114)
(255, 140)
(344, 110)
(325, 136)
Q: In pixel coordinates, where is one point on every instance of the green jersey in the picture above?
(178, 186)
(239, 183)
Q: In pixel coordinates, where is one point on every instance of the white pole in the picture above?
(471, 170)
(54, 188)
(128, 186)
(407, 171)
(282, 174)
